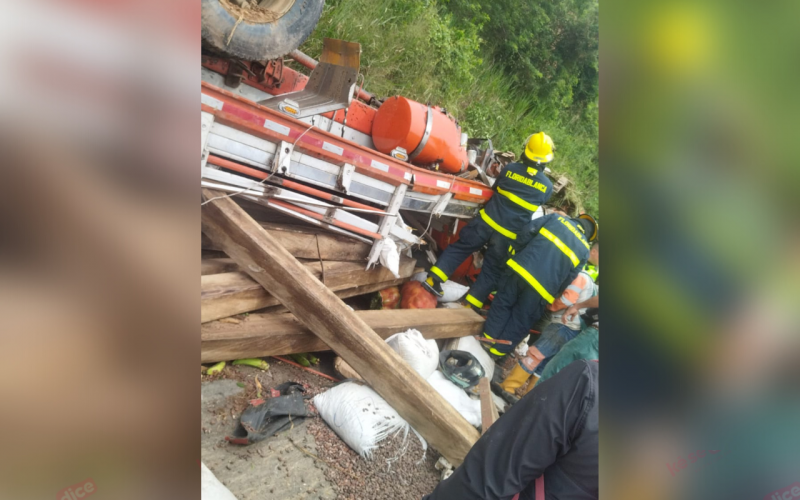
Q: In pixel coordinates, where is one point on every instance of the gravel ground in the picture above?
(390, 473)
(271, 469)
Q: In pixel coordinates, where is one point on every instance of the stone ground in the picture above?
(274, 468)
(309, 461)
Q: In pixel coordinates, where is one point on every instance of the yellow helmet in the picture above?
(539, 148)
(592, 234)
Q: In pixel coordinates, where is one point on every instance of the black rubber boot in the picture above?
(508, 398)
(434, 286)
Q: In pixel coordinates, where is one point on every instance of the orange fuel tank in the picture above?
(404, 123)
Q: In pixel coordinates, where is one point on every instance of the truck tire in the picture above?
(253, 38)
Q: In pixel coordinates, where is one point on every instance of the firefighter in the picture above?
(519, 191)
(553, 250)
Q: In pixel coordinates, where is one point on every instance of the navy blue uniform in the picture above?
(553, 251)
(552, 432)
(519, 192)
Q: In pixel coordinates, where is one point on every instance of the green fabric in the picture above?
(585, 346)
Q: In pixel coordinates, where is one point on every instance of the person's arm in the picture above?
(573, 273)
(571, 294)
(530, 230)
(573, 309)
(526, 440)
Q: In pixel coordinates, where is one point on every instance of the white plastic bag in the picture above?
(362, 418)
(421, 354)
(211, 488)
(473, 346)
(452, 291)
(390, 257)
(469, 408)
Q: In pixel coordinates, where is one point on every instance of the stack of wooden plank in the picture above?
(266, 269)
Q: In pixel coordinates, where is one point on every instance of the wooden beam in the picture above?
(262, 335)
(307, 243)
(218, 266)
(488, 411)
(226, 294)
(311, 302)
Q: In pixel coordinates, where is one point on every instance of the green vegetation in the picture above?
(503, 68)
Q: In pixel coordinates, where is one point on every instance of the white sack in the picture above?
(473, 346)
(421, 354)
(211, 488)
(359, 416)
(469, 408)
(452, 291)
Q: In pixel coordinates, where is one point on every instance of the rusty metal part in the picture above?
(311, 63)
(330, 86)
(269, 74)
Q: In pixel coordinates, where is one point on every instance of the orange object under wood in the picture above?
(401, 122)
(443, 240)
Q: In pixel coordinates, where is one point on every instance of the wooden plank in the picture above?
(276, 334)
(218, 266)
(226, 294)
(488, 411)
(306, 243)
(311, 302)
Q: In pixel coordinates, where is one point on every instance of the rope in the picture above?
(241, 17)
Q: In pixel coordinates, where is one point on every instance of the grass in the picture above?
(413, 48)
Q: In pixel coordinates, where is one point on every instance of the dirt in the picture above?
(309, 461)
(391, 473)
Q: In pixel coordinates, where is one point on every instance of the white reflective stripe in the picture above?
(566, 301)
(575, 288)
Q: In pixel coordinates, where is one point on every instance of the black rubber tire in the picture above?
(259, 42)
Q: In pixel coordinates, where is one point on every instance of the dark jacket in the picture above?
(553, 250)
(553, 430)
(519, 191)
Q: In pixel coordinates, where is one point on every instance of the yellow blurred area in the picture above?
(98, 269)
(700, 189)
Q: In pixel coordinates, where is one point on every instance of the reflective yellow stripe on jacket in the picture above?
(519, 201)
(438, 272)
(493, 350)
(475, 302)
(497, 227)
(561, 246)
(530, 279)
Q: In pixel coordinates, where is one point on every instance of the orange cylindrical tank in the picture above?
(401, 122)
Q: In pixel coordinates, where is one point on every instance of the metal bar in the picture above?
(319, 217)
(387, 223)
(311, 63)
(258, 174)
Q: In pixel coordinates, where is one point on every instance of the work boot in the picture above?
(434, 286)
(515, 379)
(508, 398)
